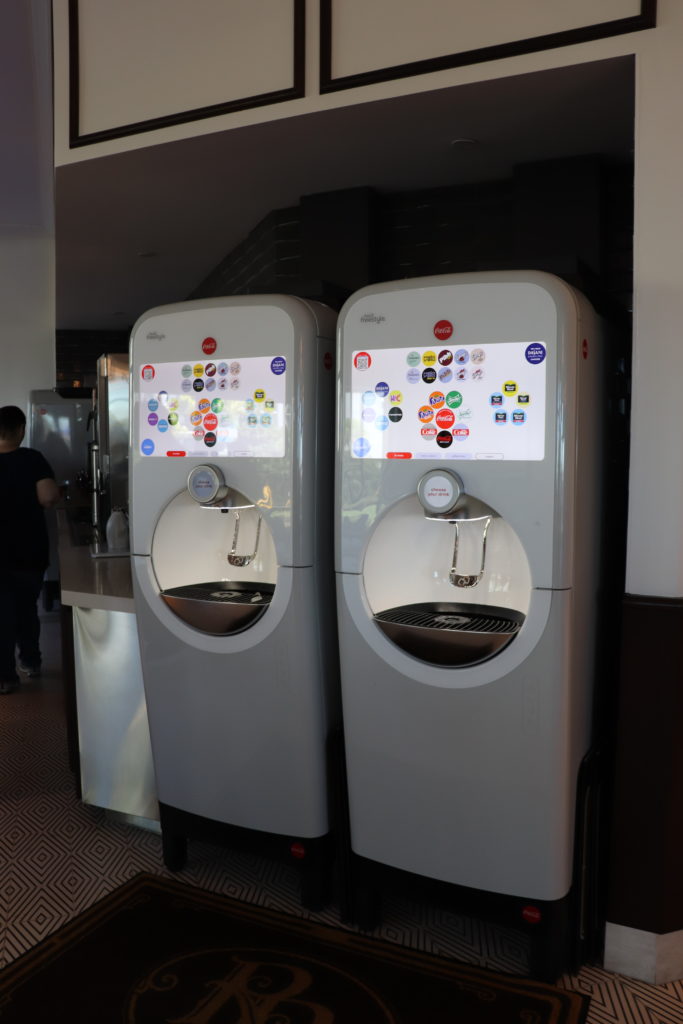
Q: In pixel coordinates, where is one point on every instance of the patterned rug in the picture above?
(156, 951)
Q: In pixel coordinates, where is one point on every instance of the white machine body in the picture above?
(466, 770)
(238, 715)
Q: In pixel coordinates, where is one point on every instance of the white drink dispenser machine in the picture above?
(467, 556)
(231, 490)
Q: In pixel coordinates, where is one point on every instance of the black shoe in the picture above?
(8, 685)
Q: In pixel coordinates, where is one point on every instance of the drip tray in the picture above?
(450, 634)
(219, 608)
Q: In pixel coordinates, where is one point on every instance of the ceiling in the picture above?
(146, 227)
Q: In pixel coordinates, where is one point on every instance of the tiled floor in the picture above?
(57, 856)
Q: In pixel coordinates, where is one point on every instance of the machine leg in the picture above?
(368, 909)
(365, 895)
(547, 959)
(174, 850)
(552, 951)
(315, 885)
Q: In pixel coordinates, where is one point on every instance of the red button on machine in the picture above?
(532, 915)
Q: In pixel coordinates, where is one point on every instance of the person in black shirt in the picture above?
(27, 486)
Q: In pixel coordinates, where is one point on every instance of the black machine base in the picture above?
(313, 856)
(548, 925)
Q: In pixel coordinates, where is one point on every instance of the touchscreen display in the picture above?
(484, 401)
(231, 408)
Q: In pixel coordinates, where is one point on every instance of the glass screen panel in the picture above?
(484, 401)
(230, 408)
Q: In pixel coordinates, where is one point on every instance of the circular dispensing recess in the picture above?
(439, 491)
(206, 485)
(191, 576)
(441, 632)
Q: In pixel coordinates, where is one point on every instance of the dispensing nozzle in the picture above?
(469, 579)
(241, 560)
(443, 498)
(208, 487)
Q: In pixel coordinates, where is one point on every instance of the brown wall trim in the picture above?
(645, 877)
(646, 19)
(296, 91)
(638, 600)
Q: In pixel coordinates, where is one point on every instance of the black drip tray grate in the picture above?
(471, 623)
(450, 634)
(223, 591)
(220, 607)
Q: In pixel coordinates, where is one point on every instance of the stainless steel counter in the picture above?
(88, 582)
(114, 751)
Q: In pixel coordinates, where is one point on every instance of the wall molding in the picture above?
(657, 959)
(647, 18)
(227, 106)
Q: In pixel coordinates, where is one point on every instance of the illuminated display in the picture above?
(484, 401)
(232, 407)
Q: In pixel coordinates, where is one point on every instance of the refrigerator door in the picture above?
(58, 427)
(112, 405)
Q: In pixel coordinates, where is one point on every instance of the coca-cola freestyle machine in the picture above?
(231, 487)
(467, 556)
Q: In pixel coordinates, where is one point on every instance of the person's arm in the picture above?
(47, 492)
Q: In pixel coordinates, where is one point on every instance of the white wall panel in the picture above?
(141, 60)
(368, 35)
(27, 245)
(27, 320)
(655, 531)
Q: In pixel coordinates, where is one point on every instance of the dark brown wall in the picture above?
(645, 879)
(77, 353)
(569, 217)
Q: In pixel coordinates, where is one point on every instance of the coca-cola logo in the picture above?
(443, 329)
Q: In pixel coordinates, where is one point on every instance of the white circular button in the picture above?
(439, 491)
(205, 484)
